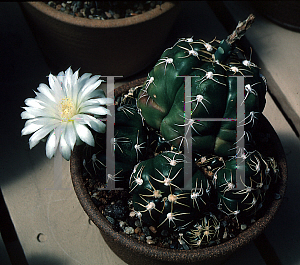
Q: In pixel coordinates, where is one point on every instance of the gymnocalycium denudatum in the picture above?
(150, 135)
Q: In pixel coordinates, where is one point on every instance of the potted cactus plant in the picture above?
(187, 171)
(198, 169)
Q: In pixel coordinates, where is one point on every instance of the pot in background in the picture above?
(283, 13)
(114, 47)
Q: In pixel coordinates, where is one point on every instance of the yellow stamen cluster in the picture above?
(67, 109)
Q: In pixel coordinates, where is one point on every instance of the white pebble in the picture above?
(129, 230)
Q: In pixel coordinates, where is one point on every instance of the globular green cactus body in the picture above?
(129, 144)
(204, 232)
(130, 139)
(259, 173)
(156, 185)
(213, 95)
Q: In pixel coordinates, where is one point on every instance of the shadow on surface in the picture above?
(22, 70)
(283, 233)
(46, 260)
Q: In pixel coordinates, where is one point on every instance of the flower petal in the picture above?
(44, 89)
(89, 102)
(60, 76)
(43, 121)
(70, 135)
(95, 110)
(96, 102)
(64, 148)
(26, 115)
(68, 82)
(35, 103)
(40, 134)
(97, 93)
(75, 77)
(105, 101)
(52, 144)
(94, 123)
(47, 104)
(75, 86)
(39, 112)
(30, 128)
(87, 89)
(83, 79)
(84, 134)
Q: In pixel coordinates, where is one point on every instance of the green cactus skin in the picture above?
(129, 144)
(204, 232)
(214, 93)
(260, 173)
(155, 184)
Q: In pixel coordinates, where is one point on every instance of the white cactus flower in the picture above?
(64, 111)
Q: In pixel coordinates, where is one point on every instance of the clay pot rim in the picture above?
(95, 23)
(193, 255)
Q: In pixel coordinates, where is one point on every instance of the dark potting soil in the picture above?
(104, 10)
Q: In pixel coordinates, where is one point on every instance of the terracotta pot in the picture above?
(119, 47)
(134, 252)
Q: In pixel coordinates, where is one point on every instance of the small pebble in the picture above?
(116, 16)
(132, 214)
(51, 3)
(110, 219)
(243, 226)
(150, 242)
(122, 224)
(108, 14)
(129, 230)
(138, 230)
(153, 229)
